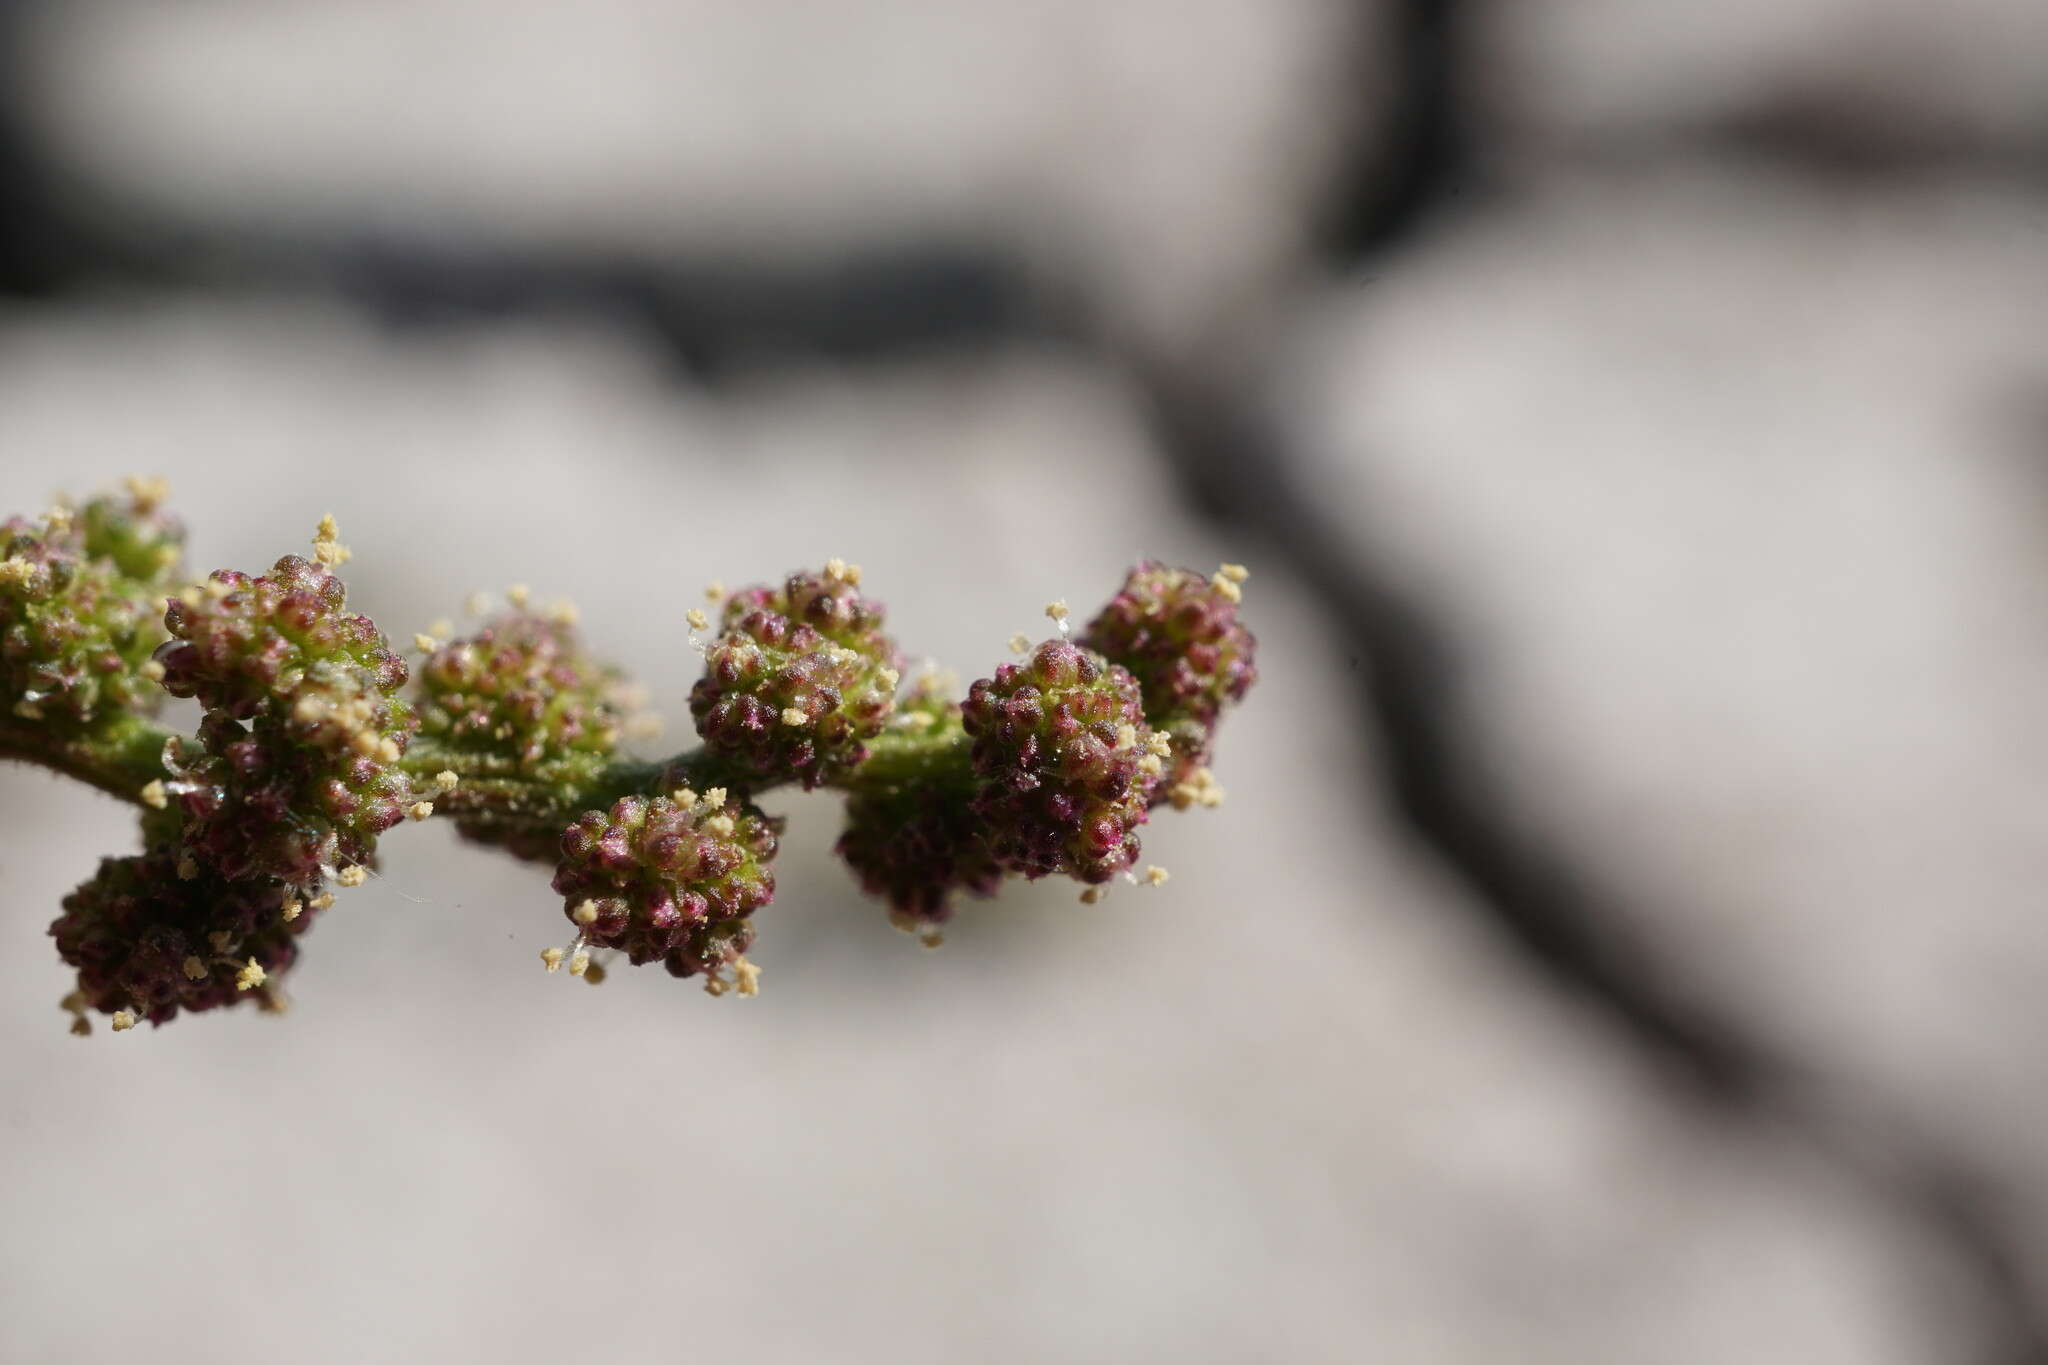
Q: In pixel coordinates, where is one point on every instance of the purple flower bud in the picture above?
(299, 748)
(150, 941)
(915, 850)
(1179, 635)
(1065, 763)
(669, 880)
(800, 678)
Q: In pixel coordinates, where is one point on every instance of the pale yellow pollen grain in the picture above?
(1151, 765)
(715, 797)
(1156, 876)
(579, 962)
(446, 780)
(715, 986)
(352, 876)
(291, 910)
(1127, 736)
(585, 913)
(149, 493)
(15, 570)
(310, 710)
(59, 519)
(477, 603)
(1019, 642)
(835, 569)
(1236, 573)
(123, 1020)
(322, 901)
(154, 797)
(564, 613)
(195, 970)
(425, 643)
(1159, 745)
(364, 742)
(551, 958)
(746, 977)
(389, 751)
(441, 629)
(793, 716)
(684, 797)
(713, 590)
(518, 595)
(251, 976)
(217, 589)
(152, 670)
(720, 825)
(1226, 589)
(888, 678)
(419, 810)
(1057, 610)
(697, 619)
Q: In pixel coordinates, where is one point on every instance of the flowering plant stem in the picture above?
(317, 738)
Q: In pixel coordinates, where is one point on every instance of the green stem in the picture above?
(120, 756)
(494, 796)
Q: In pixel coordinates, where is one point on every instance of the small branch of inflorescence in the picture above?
(317, 738)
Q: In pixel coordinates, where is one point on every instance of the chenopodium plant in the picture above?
(316, 738)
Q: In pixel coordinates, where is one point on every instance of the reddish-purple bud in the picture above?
(799, 679)
(669, 880)
(151, 941)
(1179, 634)
(1065, 762)
(298, 756)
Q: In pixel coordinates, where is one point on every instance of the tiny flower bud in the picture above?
(1057, 791)
(799, 679)
(665, 882)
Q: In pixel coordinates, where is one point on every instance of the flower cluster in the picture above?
(800, 677)
(1179, 635)
(520, 689)
(151, 938)
(916, 843)
(81, 605)
(670, 879)
(306, 752)
(1066, 762)
(297, 765)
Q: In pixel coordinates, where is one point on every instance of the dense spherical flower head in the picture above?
(134, 534)
(1179, 635)
(669, 878)
(1066, 764)
(150, 941)
(297, 762)
(521, 688)
(76, 626)
(799, 679)
(917, 850)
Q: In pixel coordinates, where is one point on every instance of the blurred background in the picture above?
(1623, 941)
